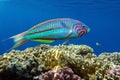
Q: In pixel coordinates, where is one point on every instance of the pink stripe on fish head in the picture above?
(81, 32)
(77, 26)
(79, 29)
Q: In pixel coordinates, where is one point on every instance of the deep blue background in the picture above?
(102, 16)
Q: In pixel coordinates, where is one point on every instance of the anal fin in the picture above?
(43, 41)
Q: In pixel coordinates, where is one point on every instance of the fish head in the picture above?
(81, 29)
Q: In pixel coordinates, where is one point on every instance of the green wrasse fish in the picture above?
(51, 30)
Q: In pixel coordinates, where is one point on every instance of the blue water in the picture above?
(102, 16)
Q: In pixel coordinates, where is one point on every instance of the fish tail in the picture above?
(15, 36)
(17, 43)
(18, 40)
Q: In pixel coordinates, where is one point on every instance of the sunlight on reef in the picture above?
(76, 61)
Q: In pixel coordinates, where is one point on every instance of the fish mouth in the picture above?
(88, 29)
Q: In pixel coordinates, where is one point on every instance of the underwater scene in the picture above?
(59, 40)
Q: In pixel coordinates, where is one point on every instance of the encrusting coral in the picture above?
(32, 62)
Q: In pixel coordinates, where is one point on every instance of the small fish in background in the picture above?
(97, 44)
(51, 30)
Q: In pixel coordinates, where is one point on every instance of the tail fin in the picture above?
(18, 40)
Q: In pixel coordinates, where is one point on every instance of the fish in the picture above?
(98, 44)
(51, 30)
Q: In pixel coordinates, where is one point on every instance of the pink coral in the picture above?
(60, 74)
(114, 72)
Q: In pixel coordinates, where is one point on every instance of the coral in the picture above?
(3, 63)
(85, 66)
(64, 73)
(114, 71)
(112, 57)
(32, 62)
(58, 57)
(77, 49)
(23, 64)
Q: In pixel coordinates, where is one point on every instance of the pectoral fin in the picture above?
(65, 42)
(67, 39)
(43, 41)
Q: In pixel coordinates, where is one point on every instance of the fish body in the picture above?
(50, 30)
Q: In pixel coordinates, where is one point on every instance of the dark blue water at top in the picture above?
(102, 16)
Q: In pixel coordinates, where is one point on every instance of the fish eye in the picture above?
(84, 26)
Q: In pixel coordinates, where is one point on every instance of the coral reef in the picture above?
(60, 74)
(45, 59)
(77, 49)
(59, 57)
(112, 57)
(22, 64)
